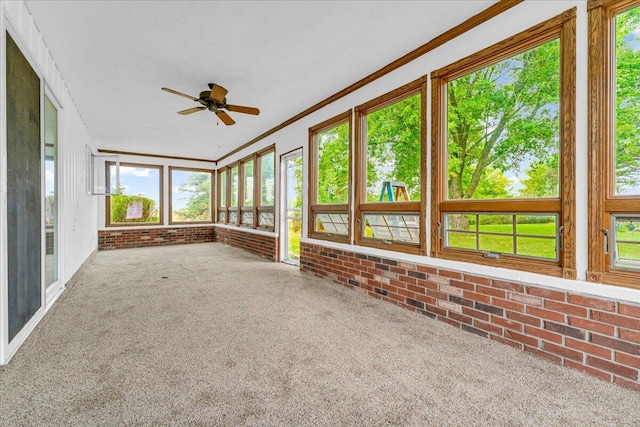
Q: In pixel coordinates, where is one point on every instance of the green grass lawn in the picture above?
(629, 251)
(294, 239)
(540, 247)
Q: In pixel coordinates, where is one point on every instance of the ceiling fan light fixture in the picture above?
(215, 101)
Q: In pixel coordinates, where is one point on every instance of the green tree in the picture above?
(333, 165)
(501, 115)
(197, 189)
(542, 179)
(267, 180)
(627, 129)
(393, 147)
(120, 205)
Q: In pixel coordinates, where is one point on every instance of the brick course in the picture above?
(595, 335)
(142, 237)
(265, 246)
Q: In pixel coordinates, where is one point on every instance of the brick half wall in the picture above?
(598, 336)
(259, 244)
(142, 237)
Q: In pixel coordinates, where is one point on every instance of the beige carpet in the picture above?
(210, 335)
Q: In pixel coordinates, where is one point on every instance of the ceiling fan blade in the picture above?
(175, 92)
(242, 109)
(226, 119)
(191, 110)
(217, 92)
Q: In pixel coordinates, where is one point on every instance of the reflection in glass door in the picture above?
(292, 230)
(50, 193)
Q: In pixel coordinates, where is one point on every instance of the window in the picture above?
(390, 170)
(222, 196)
(233, 199)
(614, 203)
(51, 194)
(503, 153)
(191, 199)
(329, 178)
(247, 210)
(242, 199)
(139, 201)
(266, 193)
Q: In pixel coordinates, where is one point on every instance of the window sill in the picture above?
(616, 278)
(549, 268)
(149, 226)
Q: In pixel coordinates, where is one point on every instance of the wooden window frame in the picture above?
(107, 201)
(415, 87)
(258, 188)
(170, 195)
(314, 206)
(603, 203)
(241, 190)
(222, 172)
(563, 28)
(229, 185)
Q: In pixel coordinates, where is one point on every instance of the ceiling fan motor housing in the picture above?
(205, 96)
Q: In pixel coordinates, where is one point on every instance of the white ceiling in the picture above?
(279, 56)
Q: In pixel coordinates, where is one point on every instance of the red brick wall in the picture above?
(265, 246)
(140, 237)
(598, 336)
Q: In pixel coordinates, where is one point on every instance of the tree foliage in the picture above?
(267, 179)
(196, 190)
(393, 147)
(503, 126)
(501, 115)
(627, 129)
(542, 178)
(120, 205)
(333, 165)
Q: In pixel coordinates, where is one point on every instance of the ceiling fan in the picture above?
(214, 100)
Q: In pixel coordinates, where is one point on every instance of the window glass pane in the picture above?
(503, 128)
(627, 103)
(190, 196)
(50, 184)
(332, 222)
(139, 198)
(495, 243)
(294, 230)
(222, 184)
(536, 247)
(248, 183)
(456, 239)
(234, 186)
(266, 219)
(294, 184)
(222, 216)
(333, 165)
(233, 217)
(460, 222)
(267, 179)
(393, 151)
(544, 225)
(394, 227)
(247, 218)
(533, 236)
(627, 242)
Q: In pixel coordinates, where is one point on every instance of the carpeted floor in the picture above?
(209, 335)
